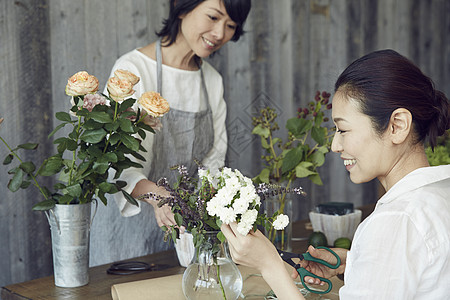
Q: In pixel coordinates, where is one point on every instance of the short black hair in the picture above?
(238, 11)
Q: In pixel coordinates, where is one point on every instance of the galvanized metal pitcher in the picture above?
(70, 226)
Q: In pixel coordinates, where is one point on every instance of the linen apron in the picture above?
(185, 136)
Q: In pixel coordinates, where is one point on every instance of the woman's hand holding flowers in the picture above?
(256, 251)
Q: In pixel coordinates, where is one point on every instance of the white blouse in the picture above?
(402, 250)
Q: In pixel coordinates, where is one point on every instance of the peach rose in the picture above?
(119, 89)
(154, 104)
(81, 84)
(126, 75)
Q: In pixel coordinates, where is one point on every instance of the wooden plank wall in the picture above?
(291, 49)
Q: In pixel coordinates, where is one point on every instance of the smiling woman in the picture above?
(193, 129)
(384, 108)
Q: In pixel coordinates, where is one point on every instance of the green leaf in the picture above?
(51, 166)
(101, 117)
(25, 184)
(318, 158)
(318, 119)
(74, 190)
(145, 127)
(276, 141)
(126, 104)
(105, 186)
(130, 142)
(316, 179)
(221, 236)
(138, 156)
(178, 219)
(65, 199)
(103, 198)
(302, 169)
(28, 167)
(110, 157)
(264, 143)
(319, 134)
(126, 125)
(15, 182)
(91, 124)
(44, 205)
(114, 139)
(142, 134)
(298, 127)
(63, 116)
(261, 131)
(323, 149)
(28, 146)
(93, 136)
(8, 159)
(100, 167)
(56, 129)
(129, 198)
(292, 158)
(264, 175)
(120, 184)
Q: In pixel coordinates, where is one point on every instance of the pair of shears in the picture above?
(288, 256)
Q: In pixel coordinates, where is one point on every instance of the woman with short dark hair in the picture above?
(385, 110)
(193, 129)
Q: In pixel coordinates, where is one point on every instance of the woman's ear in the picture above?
(400, 125)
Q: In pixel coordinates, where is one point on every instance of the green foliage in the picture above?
(98, 143)
(441, 153)
(303, 152)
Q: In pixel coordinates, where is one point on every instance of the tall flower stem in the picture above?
(74, 153)
(218, 279)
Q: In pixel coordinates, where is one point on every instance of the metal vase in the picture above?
(70, 226)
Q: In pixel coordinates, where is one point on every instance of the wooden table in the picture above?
(100, 282)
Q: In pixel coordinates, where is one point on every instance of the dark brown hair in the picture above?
(385, 80)
(238, 11)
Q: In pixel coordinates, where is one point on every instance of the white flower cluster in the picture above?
(280, 222)
(236, 199)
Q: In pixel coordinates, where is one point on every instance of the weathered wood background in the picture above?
(291, 49)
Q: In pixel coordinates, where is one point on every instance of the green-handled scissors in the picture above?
(288, 256)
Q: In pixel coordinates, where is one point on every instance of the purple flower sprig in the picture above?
(265, 190)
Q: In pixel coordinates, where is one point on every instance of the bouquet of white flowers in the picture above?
(203, 203)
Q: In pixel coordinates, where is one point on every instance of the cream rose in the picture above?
(126, 75)
(81, 84)
(154, 104)
(119, 89)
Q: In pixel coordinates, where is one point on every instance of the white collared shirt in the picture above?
(402, 250)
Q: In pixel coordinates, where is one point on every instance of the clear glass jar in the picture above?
(282, 239)
(212, 274)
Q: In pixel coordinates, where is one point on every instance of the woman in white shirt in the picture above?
(384, 109)
(193, 129)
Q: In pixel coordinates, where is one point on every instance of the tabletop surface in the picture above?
(100, 282)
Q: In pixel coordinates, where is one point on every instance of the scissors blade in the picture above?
(288, 256)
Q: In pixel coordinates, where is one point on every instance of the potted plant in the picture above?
(299, 156)
(105, 130)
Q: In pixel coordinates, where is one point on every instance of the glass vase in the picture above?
(282, 239)
(212, 274)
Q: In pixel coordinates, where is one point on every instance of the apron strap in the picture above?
(158, 66)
